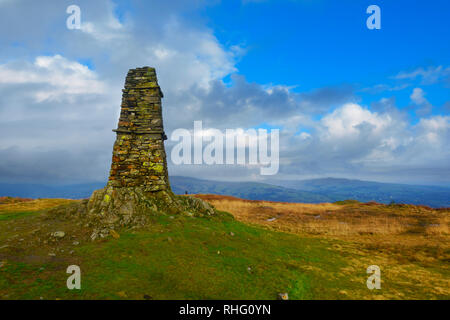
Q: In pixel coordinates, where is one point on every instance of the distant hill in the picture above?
(75, 191)
(341, 189)
(307, 191)
(245, 190)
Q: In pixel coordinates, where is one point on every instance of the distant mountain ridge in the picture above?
(72, 191)
(364, 191)
(245, 190)
(307, 191)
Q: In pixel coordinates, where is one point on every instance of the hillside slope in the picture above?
(233, 260)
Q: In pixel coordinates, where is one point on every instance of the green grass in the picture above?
(15, 215)
(188, 258)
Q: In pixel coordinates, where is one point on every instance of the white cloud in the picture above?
(346, 120)
(434, 131)
(418, 96)
(189, 58)
(59, 78)
(107, 27)
(428, 75)
(304, 135)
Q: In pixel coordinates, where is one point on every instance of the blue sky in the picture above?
(312, 44)
(350, 102)
(320, 43)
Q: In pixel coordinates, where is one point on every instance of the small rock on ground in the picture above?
(58, 234)
(283, 296)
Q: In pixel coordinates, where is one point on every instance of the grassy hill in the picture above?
(231, 259)
(221, 257)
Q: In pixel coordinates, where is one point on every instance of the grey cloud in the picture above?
(53, 166)
(248, 104)
(323, 99)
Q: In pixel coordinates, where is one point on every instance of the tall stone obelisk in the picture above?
(139, 158)
(138, 183)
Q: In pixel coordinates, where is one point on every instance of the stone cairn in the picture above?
(138, 184)
(139, 159)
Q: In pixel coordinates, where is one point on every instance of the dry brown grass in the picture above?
(439, 228)
(336, 219)
(4, 200)
(410, 243)
(32, 205)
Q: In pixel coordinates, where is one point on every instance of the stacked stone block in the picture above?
(139, 158)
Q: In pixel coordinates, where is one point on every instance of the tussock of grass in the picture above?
(33, 205)
(14, 208)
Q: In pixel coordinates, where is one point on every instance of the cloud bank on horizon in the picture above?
(383, 116)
